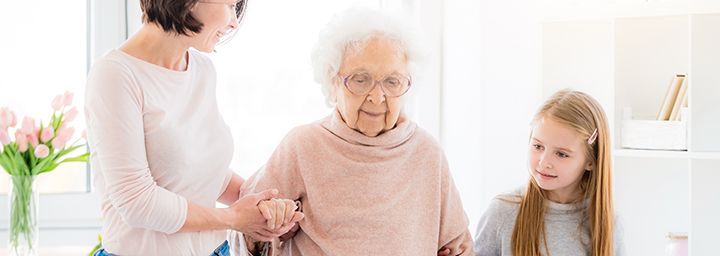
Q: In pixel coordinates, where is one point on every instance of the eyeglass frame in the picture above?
(375, 82)
(240, 6)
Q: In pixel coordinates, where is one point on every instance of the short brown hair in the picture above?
(174, 15)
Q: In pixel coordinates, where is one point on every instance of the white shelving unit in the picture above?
(639, 153)
(656, 191)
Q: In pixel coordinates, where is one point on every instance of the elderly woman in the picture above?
(370, 181)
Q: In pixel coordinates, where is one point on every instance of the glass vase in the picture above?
(23, 229)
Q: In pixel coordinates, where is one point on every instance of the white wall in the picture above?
(490, 91)
(561, 10)
(426, 102)
(569, 49)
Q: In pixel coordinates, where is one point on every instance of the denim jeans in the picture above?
(222, 250)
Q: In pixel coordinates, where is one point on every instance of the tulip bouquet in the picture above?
(35, 150)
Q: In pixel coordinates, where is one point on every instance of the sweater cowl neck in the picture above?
(403, 131)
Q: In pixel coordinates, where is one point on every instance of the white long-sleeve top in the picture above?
(157, 141)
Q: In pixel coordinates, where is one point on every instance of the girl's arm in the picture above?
(487, 238)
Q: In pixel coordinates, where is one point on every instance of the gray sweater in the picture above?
(565, 235)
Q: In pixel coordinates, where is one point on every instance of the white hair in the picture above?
(353, 28)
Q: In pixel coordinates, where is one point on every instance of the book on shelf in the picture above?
(681, 97)
(683, 105)
(670, 97)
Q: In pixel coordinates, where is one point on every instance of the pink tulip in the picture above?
(65, 133)
(4, 138)
(57, 103)
(47, 134)
(28, 125)
(7, 118)
(42, 151)
(4, 114)
(21, 141)
(67, 98)
(33, 140)
(70, 115)
(59, 143)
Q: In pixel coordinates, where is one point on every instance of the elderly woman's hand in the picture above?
(244, 216)
(280, 213)
(281, 221)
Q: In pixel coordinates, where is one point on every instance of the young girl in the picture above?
(566, 207)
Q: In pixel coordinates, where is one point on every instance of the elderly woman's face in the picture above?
(380, 59)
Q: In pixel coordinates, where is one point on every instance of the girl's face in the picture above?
(557, 160)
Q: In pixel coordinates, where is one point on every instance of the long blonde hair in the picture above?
(582, 113)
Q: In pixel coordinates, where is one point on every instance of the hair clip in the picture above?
(593, 137)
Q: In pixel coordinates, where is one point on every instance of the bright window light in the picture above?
(45, 54)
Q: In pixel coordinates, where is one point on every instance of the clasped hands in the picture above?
(264, 217)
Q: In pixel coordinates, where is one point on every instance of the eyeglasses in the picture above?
(240, 9)
(361, 84)
(237, 7)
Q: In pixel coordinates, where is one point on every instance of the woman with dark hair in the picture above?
(160, 149)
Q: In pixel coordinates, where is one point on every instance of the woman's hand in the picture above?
(244, 216)
(279, 213)
(262, 217)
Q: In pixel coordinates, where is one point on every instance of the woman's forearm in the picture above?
(203, 219)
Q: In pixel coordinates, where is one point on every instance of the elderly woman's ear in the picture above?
(332, 97)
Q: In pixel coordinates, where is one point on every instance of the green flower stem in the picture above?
(23, 222)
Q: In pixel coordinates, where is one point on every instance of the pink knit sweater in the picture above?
(387, 195)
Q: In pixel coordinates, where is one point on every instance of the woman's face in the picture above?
(218, 18)
(557, 159)
(380, 59)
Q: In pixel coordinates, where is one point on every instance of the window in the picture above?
(45, 50)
